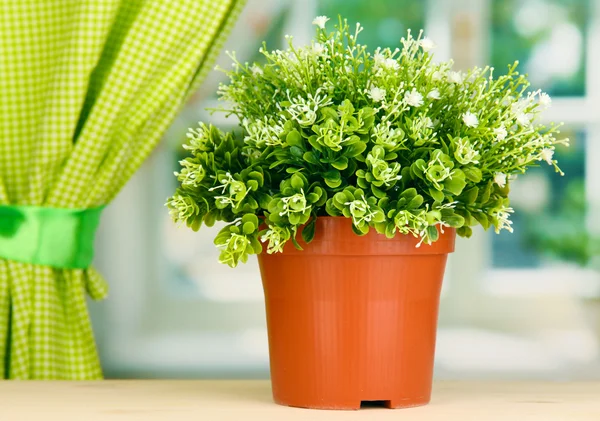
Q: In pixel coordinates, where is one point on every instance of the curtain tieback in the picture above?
(60, 238)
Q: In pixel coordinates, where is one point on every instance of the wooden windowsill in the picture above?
(222, 400)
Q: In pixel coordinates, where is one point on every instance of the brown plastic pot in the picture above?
(353, 318)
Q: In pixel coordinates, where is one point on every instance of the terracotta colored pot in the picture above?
(353, 318)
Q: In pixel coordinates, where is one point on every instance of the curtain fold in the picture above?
(87, 88)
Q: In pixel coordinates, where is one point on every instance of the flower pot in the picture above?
(353, 318)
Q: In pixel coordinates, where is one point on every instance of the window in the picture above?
(174, 311)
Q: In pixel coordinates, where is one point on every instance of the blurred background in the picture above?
(522, 305)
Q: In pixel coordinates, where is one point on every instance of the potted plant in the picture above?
(350, 176)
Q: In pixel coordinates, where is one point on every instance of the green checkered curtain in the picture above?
(87, 88)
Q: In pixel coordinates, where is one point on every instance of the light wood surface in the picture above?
(251, 400)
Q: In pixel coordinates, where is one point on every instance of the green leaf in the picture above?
(378, 216)
(331, 209)
(417, 168)
(263, 200)
(308, 232)
(296, 244)
(485, 193)
(390, 230)
(437, 195)
(378, 192)
(456, 184)
(210, 218)
(464, 231)
(362, 230)
(482, 218)
(341, 163)
(313, 141)
(452, 219)
(433, 233)
(277, 163)
(294, 138)
(332, 178)
(339, 199)
(409, 193)
(415, 202)
(310, 158)
(255, 175)
(297, 152)
(470, 196)
(329, 113)
(297, 182)
(355, 149)
(248, 228)
(252, 218)
(256, 246)
(473, 174)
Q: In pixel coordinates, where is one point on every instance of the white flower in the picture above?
(465, 153)
(455, 77)
(434, 94)
(319, 49)
(377, 94)
(391, 64)
(500, 133)
(500, 179)
(547, 155)
(523, 119)
(413, 98)
(520, 106)
(437, 76)
(470, 119)
(503, 221)
(427, 123)
(320, 21)
(545, 100)
(379, 58)
(427, 44)
(256, 70)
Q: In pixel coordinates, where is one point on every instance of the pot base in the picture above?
(356, 405)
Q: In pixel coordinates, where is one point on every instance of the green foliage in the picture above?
(391, 140)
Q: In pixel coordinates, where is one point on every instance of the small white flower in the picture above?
(436, 76)
(320, 21)
(428, 123)
(377, 94)
(500, 179)
(391, 64)
(500, 133)
(547, 155)
(503, 220)
(319, 49)
(470, 119)
(378, 58)
(545, 100)
(465, 153)
(523, 119)
(455, 77)
(256, 70)
(434, 94)
(427, 44)
(413, 98)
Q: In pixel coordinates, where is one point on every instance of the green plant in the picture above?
(393, 140)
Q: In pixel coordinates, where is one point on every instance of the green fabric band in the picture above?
(60, 238)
